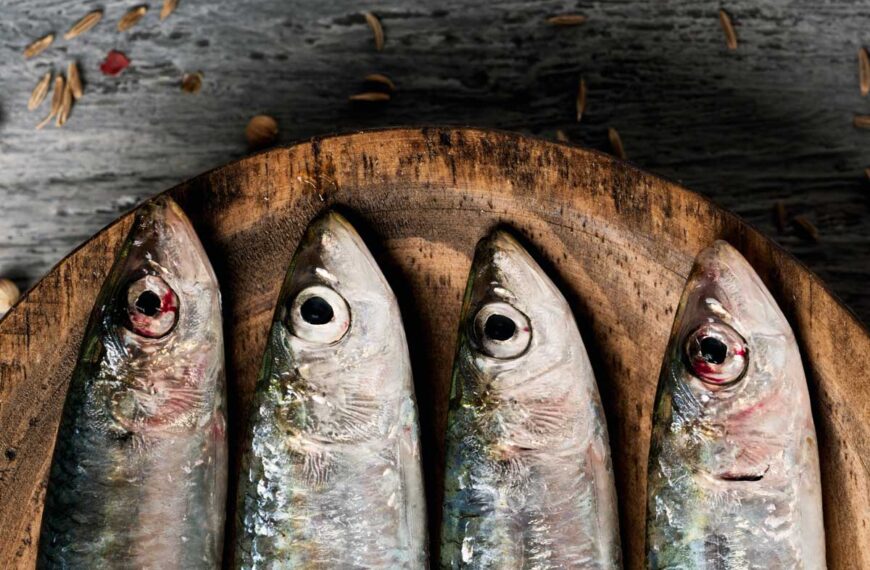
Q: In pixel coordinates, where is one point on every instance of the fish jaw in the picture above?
(731, 430)
(526, 437)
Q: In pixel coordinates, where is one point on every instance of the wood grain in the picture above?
(618, 241)
(769, 121)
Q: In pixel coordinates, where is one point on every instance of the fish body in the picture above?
(138, 477)
(529, 482)
(733, 467)
(331, 474)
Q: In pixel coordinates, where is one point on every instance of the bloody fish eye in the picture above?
(501, 331)
(152, 307)
(319, 314)
(716, 353)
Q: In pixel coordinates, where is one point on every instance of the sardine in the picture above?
(529, 482)
(138, 478)
(331, 477)
(733, 466)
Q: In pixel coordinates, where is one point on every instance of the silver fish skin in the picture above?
(138, 477)
(529, 482)
(733, 467)
(331, 475)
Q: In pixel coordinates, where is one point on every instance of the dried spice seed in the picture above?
(780, 216)
(39, 92)
(56, 100)
(262, 130)
(616, 143)
(864, 71)
(377, 30)
(370, 96)
(566, 20)
(38, 46)
(861, 121)
(115, 63)
(561, 136)
(805, 228)
(74, 80)
(581, 99)
(87, 22)
(131, 18)
(191, 82)
(65, 106)
(728, 28)
(382, 79)
(169, 7)
(9, 295)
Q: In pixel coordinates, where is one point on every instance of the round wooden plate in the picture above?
(618, 241)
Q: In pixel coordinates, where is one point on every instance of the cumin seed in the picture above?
(378, 30)
(728, 28)
(39, 92)
(84, 24)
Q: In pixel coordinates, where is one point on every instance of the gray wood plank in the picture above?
(770, 121)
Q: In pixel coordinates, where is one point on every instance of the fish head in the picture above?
(339, 323)
(158, 333)
(735, 376)
(521, 359)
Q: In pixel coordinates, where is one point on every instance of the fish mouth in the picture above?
(746, 476)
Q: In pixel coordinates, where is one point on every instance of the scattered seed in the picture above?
(561, 136)
(581, 99)
(87, 22)
(132, 17)
(39, 92)
(370, 96)
(805, 228)
(377, 30)
(864, 71)
(616, 142)
(169, 7)
(191, 82)
(65, 106)
(38, 46)
(781, 216)
(74, 80)
(728, 28)
(382, 79)
(262, 130)
(115, 63)
(861, 121)
(566, 20)
(9, 295)
(56, 100)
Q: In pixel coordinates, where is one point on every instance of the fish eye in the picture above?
(501, 331)
(152, 307)
(716, 353)
(319, 314)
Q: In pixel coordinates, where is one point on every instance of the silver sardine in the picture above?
(331, 476)
(733, 466)
(138, 478)
(529, 482)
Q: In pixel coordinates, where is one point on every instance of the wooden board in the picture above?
(619, 242)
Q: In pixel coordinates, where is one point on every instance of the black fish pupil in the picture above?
(713, 350)
(499, 327)
(316, 311)
(148, 303)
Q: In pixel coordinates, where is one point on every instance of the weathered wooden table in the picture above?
(770, 121)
